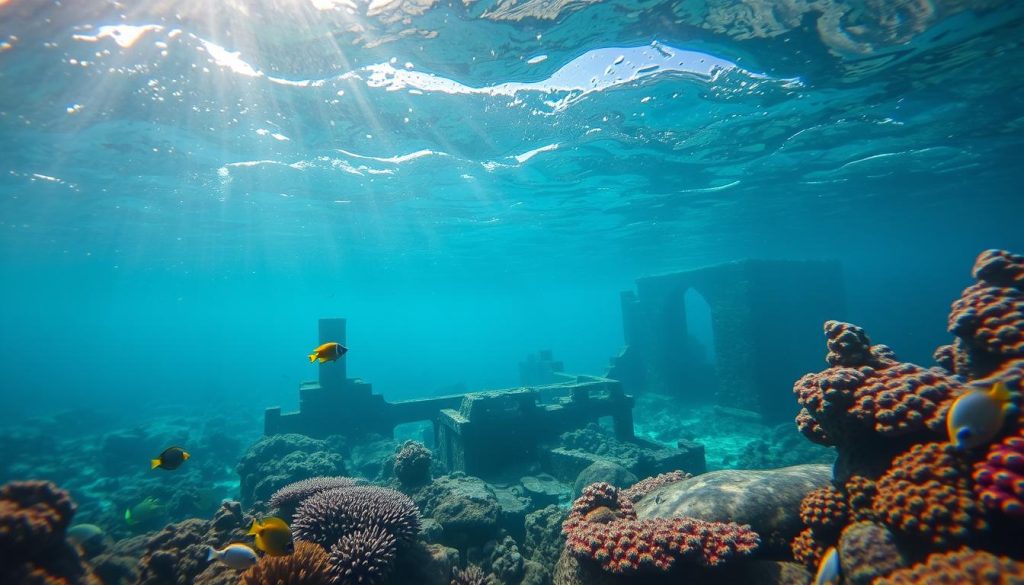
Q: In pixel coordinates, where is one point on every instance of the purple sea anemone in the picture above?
(327, 516)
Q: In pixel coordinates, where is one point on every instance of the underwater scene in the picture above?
(511, 292)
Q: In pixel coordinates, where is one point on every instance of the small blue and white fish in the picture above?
(238, 556)
(828, 569)
(978, 416)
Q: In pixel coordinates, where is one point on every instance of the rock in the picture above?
(466, 508)
(606, 471)
(544, 540)
(543, 489)
(767, 500)
(277, 460)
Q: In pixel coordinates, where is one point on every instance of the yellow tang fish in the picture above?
(273, 537)
(977, 416)
(328, 352)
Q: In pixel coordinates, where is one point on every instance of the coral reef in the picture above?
(824, 510)
(412, 464)
(988, 318)
(999, 477)
(544, 540)
(278, 460)
(602, 526)
(364, 556)
(505, 561)
(308, 565)
(767, 500)
(288, 498)
(471, 575)
(808, 548)
(955, 568)
(34, 518)
(648, 485)
(178, 553)
(867, 551)
(860, 492)
(866, 393)
(927, 495)
(327, 516)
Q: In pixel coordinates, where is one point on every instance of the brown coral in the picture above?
(867, 551)
(867, 393)
(860, 492)
(824, 510)
(988, 318)
(412, 464)
(308, 565)
(926, 494)
(956, 568)
(34, 517)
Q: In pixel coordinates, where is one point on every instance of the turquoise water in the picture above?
(185, 188)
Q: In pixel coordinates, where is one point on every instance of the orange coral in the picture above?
(866, 391)
(808, 548)
(927, 494)
(824, 510)
(308, 565)
(959, 567)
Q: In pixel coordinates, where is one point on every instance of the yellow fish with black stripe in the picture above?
(273, 536)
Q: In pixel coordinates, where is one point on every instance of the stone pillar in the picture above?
(332, 375)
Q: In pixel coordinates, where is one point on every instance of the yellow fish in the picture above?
(273, 537)
(977, 416)
(828, 569)
(328, 352)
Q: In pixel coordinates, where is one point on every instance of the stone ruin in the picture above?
(760, 312)
(480, 433)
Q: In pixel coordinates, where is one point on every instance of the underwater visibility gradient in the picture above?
(482, 190)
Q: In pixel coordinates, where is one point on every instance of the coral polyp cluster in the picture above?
(622, 544)
(910, 484)
(999, 477)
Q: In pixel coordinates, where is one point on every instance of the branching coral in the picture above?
(926, 494)
(308, 565)
(620, 543)
(364, 556)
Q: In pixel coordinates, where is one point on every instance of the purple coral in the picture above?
(327, 516)
(364, 556)
(288, 498)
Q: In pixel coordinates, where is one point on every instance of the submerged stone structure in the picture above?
(758, 312)
(479, 433)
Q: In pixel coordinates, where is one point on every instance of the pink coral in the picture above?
(646, 486)
(927, 494)
(999, 478)
(620, 543)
